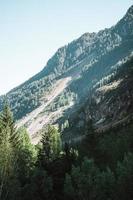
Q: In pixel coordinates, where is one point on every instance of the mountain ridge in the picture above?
(86, 60)
(128, 13)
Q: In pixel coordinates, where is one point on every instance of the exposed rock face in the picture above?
(86, 63)
(110, 105)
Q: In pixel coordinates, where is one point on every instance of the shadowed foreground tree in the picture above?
(47, 172)
(9, 143)
(50, 146)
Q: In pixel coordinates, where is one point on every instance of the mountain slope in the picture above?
(110, 105)
(80, 66)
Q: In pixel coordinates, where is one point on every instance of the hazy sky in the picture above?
(32, 30)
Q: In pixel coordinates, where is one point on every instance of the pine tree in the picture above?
(26, 156)
(8, 158)
(68, 188)
(8, 125)
(51, 146)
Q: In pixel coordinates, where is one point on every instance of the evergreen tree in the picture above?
(8, 158)
(51, 146)
(27, 155)
(68, 188)
(104, 186)
(40, 187)
(125, 178)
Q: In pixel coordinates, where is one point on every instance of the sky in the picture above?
(32, 30)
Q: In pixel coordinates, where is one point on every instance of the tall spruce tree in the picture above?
(51, 146)
(8, 158)
(26, 156)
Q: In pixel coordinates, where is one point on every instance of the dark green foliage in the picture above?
(40, 187)
(88, 182)
(102, 168)
(49, 171)
(125, 178)
(9, 144)
(51, 146)
(26, 157)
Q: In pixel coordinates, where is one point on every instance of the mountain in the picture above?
(110, 106)
(76, 72)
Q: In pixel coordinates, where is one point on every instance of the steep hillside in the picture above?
(110, 105)
(71, 75)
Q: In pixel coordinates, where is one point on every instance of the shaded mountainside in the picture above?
(71, 75)
(110, 106)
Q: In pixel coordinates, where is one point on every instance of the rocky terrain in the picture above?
(87, 68)
(110, 105)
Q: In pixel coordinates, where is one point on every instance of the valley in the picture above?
(67, 132)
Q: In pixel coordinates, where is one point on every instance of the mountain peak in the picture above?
(125, 25)
(129, 14)
(130, 10)
(71, 74)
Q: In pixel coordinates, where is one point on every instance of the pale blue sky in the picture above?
(32, 30)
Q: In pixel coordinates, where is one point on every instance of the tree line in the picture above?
(52, 171)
